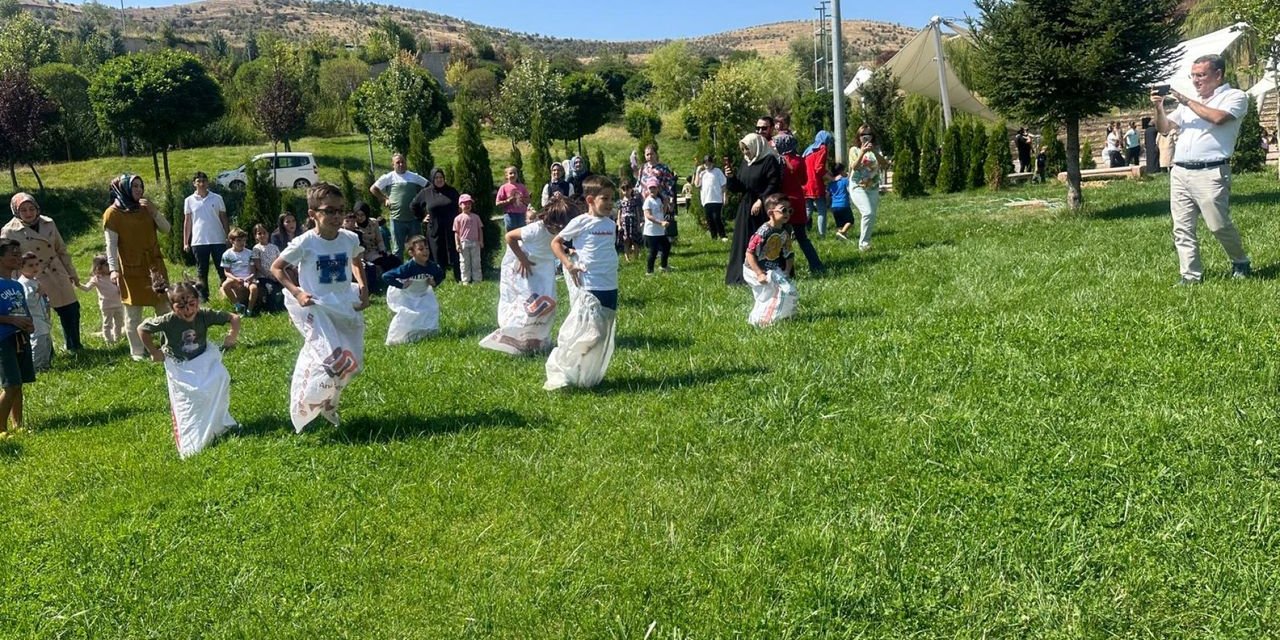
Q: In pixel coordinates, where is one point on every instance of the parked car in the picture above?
(293, 170)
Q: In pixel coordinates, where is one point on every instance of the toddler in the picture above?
(38, 306)
(109, 302)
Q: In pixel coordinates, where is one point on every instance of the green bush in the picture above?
(999, 162)
(906, 161)
(418, 156)
(930, 157)
(1055, 151)
(598, 165)
(977, 156)
(1086, 156)
(1249, 154)
(952, 172)
(261, 198)
(640, 119)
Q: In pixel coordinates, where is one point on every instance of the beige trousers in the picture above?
(1202, 193)
(133, 318)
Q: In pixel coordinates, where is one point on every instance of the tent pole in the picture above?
(837, 79)
(936, 25)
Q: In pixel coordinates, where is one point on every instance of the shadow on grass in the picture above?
(1269, 272)
(387, 428)
(10, 450)
(835, 314)
(1266, 198)
(629, 384)
(634, 342)
(1150, 209)
(861, 261)
(92, 358)
(466, 331)
(95, 418)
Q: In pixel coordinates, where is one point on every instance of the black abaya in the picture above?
(755, 182)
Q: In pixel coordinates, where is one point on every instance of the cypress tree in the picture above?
(419, 155)
(474, 175)
(1249, 155)
(952, 172)
(598, 165)
(1086, 156)
(540, 173)
(906, 161)
(977, 157)
(930, 157)
(999, 162)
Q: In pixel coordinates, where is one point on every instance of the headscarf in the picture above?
(20, 198)
(571, 168)
(757, 148)
(440, 171)
(785, 143)
(822, 139)
(561, 165)
(122, 192)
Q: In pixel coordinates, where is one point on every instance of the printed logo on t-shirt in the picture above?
(332, 268)
(189, 341)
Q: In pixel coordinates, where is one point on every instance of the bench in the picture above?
(1130, 171)
(1020, 176)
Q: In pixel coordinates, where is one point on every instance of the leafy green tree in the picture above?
(337, 79)
(673, 70)
(540, 171)
(261, 197)
(589, 106)
(1249, 155)
(977, 155)
(532, 89)
(25, 114)
(158, 97)
(75, 134)
(25, 43)
(614, 71)
(999, 162)
(880, 103)
(906, 161)
(1090, 56)
(398, 35)
(473, 174)
(404, 93)
(641, 119)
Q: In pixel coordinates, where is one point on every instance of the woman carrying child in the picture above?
(199, 385)
(527, 293)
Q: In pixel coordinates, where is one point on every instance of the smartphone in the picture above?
(1161, 89)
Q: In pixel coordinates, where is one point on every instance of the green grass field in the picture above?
(999, 423)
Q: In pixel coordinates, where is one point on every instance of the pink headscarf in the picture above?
(20, 198)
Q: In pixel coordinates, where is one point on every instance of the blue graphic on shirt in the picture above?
(332, 268)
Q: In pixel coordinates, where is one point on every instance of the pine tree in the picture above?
(952, 173)
(540, 173)
(348, 187)
(1249, 155)
(906, 161)
(473, 173)
(1086, 156)
(261, 198)
(419, 155)
(999, 162)
(1055, 152)
(375, 207)
(930, 157)
(598, 166)
(977, 156)
(517, 161)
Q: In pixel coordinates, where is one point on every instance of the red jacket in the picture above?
(793, 185)
(815, 169)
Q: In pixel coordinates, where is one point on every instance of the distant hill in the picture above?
(347, 21)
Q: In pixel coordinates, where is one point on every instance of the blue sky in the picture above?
(658, 19)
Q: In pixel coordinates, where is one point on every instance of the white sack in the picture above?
(526, 309)
(332, 353)
(417, 314)
(585, 344)
(775, 300)
(199, 397)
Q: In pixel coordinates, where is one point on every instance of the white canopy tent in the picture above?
(860, 78)
(1260, 90)
(921, 67)
(1179, 73)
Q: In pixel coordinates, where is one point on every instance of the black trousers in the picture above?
(69, 318)
(715, 219)
(806, 247)
(206, 253)
(657, 244)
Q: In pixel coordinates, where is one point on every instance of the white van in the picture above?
(293, 170)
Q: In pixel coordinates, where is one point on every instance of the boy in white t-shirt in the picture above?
(585, 343)
(240, 267)
(324, 303)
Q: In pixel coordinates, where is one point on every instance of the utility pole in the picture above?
(936, 23)
(821, 40)
(837, 79)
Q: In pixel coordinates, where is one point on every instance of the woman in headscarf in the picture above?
(577, 172)
(815, 185)
(437, 205)
(38, 234)
(130, 226)
(757, 176)
(794, 184)
(558, 185)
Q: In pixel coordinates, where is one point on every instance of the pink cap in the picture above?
(650, 182)
(466, 197)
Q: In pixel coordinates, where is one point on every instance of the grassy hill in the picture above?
(349, 21)
(998, 423)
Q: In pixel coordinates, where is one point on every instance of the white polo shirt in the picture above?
(1202, 141)
(206, 219)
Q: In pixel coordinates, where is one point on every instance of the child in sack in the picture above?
(769, 259)
(586, 338)
(199, 385)
(109, 302)
(527, 292)
(324, 304)
(411, 295)
(16, 368)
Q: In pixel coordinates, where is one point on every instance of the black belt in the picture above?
(1201, 165)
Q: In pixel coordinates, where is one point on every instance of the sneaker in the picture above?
(864, 247)
(1188, 282)
(1241, 270)
(239, 308)
(668, 269)
(138, 358)
(648, 273)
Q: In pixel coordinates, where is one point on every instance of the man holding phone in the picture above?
(1200, 180)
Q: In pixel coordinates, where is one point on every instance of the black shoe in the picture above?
(1188, 282)
(1241, 270)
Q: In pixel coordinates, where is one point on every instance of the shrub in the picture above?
(1249, 154)
(1086, 156)
(999, 162)
(977, 156)
(906, 160)
(640, 119)
(952, 172)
